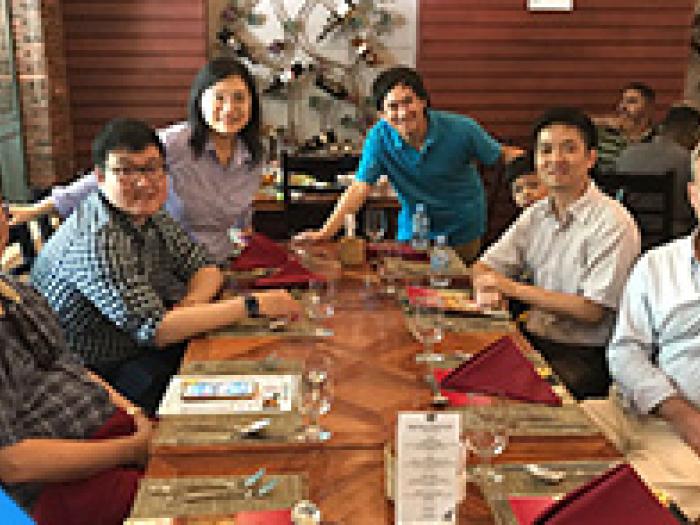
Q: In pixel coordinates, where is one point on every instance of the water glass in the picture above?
(487, 437)
(426, 322)
(375, 224)
(317, 395)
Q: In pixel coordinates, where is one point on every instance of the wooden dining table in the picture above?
(375, 376)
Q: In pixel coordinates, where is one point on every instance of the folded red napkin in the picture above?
(527, 508)
(264, 517)
(617, 497)
(377, 250)
(292, 273)
(501, 369)
(261, 252)
(458, 399)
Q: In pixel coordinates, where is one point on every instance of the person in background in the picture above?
(669, 151)
(213, 161)
(525, 186)
(653, 414)
(579, 246)
(71, 448)
(631, 123)
(127, 283)
(428, 156)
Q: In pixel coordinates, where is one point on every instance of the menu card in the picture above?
(230, 394)
(428, 463)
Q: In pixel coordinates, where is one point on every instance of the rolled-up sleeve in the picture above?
(631, 348)
(507, 254)
(612, 253)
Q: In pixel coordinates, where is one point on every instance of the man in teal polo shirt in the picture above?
(429, 157)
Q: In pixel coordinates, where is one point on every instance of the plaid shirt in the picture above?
(111, 282)
(44, 390)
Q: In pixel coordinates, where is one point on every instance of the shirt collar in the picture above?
(431, 135)
(240, 155)
(578, 209)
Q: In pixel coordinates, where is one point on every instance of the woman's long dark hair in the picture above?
(213, 72)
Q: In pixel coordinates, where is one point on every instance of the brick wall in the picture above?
(40, 62)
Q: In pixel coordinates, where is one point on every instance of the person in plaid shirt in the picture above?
(70, 446)
(128, 284)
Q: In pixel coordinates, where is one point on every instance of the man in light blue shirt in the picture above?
(429, 157)
(654, 358)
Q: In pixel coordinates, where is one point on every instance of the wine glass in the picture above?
(426, 323)
(487, 437)
(375, 229)
(316, 396)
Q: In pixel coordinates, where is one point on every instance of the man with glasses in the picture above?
(129, 286)
(429, 157)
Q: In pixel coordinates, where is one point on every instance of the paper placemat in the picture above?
(403, 269)
(215, 495)
(242, 367)
(202, 430)
(537, 420)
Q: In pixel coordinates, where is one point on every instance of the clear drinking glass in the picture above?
(375, 229)
(487, 437)
(317, 395)
(426, 323)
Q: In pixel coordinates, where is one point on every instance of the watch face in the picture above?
(252, 306)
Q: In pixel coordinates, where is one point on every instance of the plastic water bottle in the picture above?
(421, 228)
(439, 263)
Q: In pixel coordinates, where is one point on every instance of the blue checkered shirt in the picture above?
(111, 282)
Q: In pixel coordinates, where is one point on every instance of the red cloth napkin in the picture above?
(617, 497)
(458, 399)
(292, 273)
(527, 508)
(261, 252)
(501, 369)
(376, 250)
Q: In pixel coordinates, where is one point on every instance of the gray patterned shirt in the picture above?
(44, 390)
(589, 253)
(111, 282)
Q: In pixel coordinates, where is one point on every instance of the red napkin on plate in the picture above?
(458, 399)
(377, 250)
(501, 369)
(261, 252)
(617, 497)
(292, 273)
(527, 508)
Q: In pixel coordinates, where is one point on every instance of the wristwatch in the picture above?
(252, 305)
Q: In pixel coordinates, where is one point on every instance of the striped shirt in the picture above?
(589, 253)
(611, 143)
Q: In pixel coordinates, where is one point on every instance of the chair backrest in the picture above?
(310, 213)
(649, 197)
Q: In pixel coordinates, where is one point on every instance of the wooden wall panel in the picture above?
(503, 65)
(131, 58)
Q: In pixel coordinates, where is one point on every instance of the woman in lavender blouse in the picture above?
(213, 160)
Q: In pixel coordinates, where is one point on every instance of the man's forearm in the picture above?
(46, 460)
(179, 324)
(203, 287)
(565, 304)
(351, 201)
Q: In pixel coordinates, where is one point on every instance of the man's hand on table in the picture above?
(684, 418)
(491, 289)
(278, 303)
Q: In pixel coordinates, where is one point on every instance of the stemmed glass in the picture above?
(321, 297)
(375, 229)
(317, 395)
(487, 437)
(426, 323)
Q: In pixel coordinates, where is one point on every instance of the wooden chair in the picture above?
(316, 202)
(648, 197)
